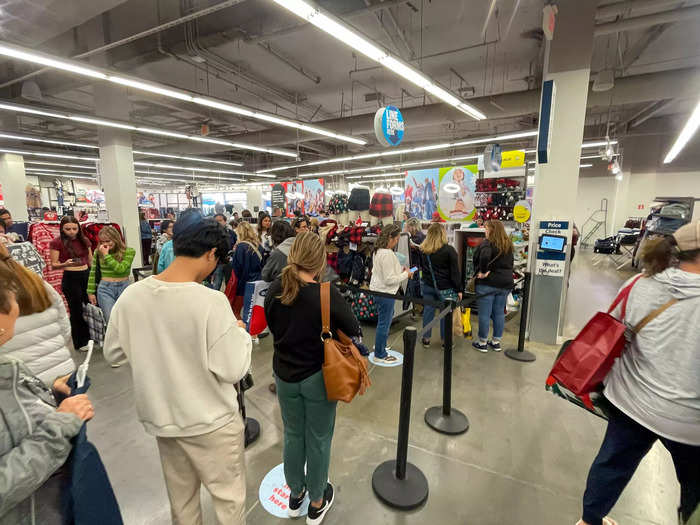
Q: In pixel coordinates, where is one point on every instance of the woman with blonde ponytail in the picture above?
(293, 311)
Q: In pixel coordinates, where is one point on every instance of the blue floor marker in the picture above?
(274, 494)
(396, 354)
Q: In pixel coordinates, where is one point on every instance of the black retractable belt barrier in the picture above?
(397, 483)
(252, 426)
(446, 419)
(520, 354)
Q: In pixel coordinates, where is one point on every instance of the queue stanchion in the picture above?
(397, 483)
(445, 419)
(520, 354)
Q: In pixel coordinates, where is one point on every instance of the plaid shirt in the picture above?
(356, 234)
(382, 205)
(96, 322)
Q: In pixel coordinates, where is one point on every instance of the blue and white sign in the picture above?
(274, 494)
(389, 126)
(544, 135)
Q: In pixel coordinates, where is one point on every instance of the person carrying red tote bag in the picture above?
(584, 362)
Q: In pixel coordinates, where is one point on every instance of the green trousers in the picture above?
(309, 420)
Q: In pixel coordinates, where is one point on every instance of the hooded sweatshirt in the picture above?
(656, 381)
(277, 260)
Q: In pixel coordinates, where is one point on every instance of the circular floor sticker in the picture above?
(397, 355)
(274, 494)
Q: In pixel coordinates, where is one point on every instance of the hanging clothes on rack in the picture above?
(41, 234)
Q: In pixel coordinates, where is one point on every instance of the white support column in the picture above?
(14, 183)
(117, 165)
(568, 60)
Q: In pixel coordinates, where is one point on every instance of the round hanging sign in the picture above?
(521, 211)
(389, 126)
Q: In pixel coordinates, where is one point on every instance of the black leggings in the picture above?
(74, 286)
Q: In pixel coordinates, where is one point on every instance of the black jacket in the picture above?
(501, 266)
(445, 268)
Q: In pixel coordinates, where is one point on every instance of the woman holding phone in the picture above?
(114, 259)
(71, 252)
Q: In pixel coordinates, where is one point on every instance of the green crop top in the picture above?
(110, 267)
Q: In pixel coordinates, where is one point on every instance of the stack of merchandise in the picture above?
(495, 198)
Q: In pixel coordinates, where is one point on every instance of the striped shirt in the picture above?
(110, 267)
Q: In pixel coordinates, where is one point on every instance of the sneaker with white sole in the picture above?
(495, 346)
(389, 359)
(481, 347)
(315, 515)
(294, 510)
(606, 521)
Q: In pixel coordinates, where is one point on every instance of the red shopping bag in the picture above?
(586, 361)
(231, 288)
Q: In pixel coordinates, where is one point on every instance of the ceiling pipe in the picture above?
(642, 22)
(133, 38)
(624, 8)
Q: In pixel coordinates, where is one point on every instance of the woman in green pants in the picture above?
(293, 311)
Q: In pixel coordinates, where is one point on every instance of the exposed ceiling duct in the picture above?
(642, 22)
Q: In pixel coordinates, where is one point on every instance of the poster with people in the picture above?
(421, 193)
(313, 196)
(457, 188)
(295, 197)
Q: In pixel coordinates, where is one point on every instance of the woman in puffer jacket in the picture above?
(42, 333)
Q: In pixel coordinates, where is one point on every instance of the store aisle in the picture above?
(523, 461)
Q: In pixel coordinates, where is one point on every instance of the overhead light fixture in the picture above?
(45, 154)
(343, 32)
(185, 157)
(79, 68)
(585, 165)
(685, 135)
(598, 143)
(390, 166)
(12, 136)
(186, 176)
(144, 129)
(42, 163)
(190, 168)
(614, 167)
(404, 151)
(44, 170)
(375, 175)
(47, 174)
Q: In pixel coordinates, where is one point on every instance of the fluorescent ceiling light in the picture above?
(685, 135)
(390, 166)
(190, 168)
(145, 129)
(375, 175)
(32, 170)
(186, 176)
(343, 32)
(63, 176)
(597, 156)
(79, 68)
(597, 144)
(43, 154)
(27, 138)
(585, 165)
(48, 61)
(42, 163)
(183, 157)
(403, 151)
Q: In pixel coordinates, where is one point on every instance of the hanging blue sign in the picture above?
(389, 126)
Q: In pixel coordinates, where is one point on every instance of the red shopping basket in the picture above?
(586, 361)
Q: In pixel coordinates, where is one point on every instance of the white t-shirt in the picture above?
(186, 352)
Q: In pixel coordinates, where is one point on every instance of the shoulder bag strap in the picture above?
(623, 296)
(325, 309)
(432, 274)
(653, 315)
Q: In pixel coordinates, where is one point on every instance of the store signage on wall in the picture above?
(544, 135)
(552, 264)
(389, 126)
(277, 198)
(512, 159)
(550, 268)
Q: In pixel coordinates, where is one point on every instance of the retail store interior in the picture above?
(571, 122)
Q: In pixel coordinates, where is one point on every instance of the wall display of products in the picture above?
(496, 198)
(313, 196)
(456, 199)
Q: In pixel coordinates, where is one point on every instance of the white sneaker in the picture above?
(315, 516)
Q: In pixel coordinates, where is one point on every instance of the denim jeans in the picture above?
(625, 444)
(385, 307)
(491, 306)
(431, 294)
(309, 421)
(107, 295)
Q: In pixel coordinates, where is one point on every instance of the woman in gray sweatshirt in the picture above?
(654, 386)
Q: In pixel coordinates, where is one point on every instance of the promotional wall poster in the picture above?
(295, 197)
(420, 191)
(456, 198)
(277, 198)
(313, 196)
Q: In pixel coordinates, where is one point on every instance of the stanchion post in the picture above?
(445, 419)
(397, 483)
(520, 354)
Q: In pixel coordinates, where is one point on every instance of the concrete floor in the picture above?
(523, 461)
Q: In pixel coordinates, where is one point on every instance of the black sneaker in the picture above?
(294, 509)
(426, 343)
(315, 515)
(495, 345)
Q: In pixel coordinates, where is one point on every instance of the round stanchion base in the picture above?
(520, 356)
(455, 423)
(252, 431)
(403, 494)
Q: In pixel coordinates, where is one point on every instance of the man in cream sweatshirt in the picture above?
(186, 351)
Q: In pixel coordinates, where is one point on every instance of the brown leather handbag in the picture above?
(344, 369)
